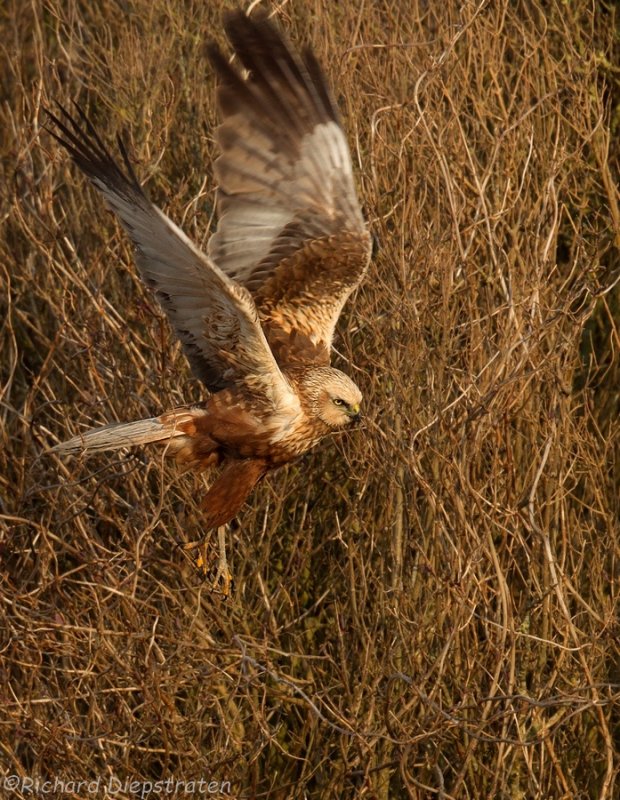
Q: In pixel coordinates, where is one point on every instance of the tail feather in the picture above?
(128, 434)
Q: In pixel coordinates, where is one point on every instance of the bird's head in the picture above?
(335, 398)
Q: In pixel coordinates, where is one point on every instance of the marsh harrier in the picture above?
(255, 314)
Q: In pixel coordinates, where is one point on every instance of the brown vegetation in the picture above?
(423, 608)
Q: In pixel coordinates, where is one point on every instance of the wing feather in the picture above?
(285, 182)
(214, 317)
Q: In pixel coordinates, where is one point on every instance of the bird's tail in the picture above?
(169, 426)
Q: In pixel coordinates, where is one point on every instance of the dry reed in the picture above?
(425, 608)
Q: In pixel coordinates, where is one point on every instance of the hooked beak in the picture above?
(355, 413)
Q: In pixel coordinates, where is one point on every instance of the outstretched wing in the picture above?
(290, 226)
(215, 318)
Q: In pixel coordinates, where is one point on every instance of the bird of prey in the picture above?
(256, 313)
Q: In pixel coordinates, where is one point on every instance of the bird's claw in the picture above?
(222, 582)
(223, 574)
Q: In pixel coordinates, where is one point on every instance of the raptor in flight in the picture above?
(255, 314)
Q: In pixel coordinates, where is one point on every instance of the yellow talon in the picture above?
(201, 563)
(223, 577)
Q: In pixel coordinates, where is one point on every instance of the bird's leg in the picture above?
(222, 503)
(223, 574)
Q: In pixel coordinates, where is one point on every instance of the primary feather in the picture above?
(214, 317)
(290, 226)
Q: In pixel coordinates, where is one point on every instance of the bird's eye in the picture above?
(339, 402)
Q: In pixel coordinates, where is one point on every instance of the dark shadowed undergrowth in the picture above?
(426, 607)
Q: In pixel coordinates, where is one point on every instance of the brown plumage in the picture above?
(256, 314)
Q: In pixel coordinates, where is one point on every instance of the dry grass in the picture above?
(425, 608)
